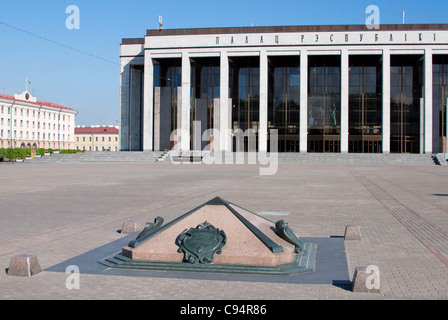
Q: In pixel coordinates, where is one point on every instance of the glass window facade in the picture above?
(405, 92)
(440, 96)
(205, 76)
(168, 73)
(168, 79)
(244, 89)
(365, 104)
(284, 101)
(324, 103)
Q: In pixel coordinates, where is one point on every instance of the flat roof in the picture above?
(279, 29)
(282, 29)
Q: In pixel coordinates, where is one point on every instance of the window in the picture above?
(324, 103)
(440, 97)
(284, 101)
(365, 104)
(244, 84)
(405, 92)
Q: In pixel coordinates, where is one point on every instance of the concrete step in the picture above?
(154, 156)
(124, 156)
(417, 159)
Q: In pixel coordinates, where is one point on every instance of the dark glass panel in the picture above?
(324, 104)
(405, 104)
(365, 105)
(284, 101)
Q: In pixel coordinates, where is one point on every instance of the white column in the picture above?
(185, 118)
(224, 103)
(263, 125)
(303, 101)
(386, 100)
(148, 103)
(344, 101)
(428, 101)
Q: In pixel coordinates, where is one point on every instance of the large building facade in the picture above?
(26, 122)
(323, 88)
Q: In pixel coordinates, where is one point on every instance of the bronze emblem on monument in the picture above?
(200, 244)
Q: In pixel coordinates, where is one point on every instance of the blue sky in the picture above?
(89, 82)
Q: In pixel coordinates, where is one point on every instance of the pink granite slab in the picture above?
(243, 247)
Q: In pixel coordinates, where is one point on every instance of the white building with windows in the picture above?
(342, 88)
(97, 138)
(26, 122)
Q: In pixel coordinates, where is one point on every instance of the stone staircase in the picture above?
(198, 156)
(330, 158)
(121, 156)
(356, 158)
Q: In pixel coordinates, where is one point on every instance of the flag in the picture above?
(28, 81)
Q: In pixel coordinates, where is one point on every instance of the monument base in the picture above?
(302, 264)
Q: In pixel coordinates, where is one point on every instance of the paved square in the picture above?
(59, 211)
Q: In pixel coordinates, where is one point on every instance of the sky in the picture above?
(79, 68)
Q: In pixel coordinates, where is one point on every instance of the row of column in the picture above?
(225, 115)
